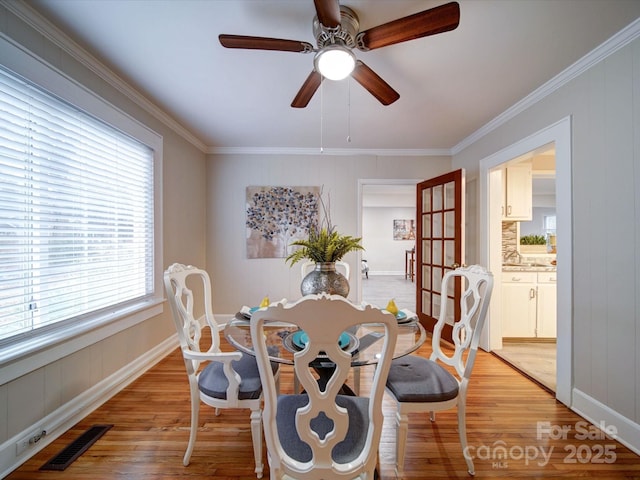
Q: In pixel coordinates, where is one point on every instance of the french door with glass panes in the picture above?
(439, 247)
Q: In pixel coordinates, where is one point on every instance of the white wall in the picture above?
(536, 225)
(604, 105)
(385, 256)
(240, 281)
(87, 370)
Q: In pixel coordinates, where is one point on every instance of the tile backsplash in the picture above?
(509, 238)
(510, 243)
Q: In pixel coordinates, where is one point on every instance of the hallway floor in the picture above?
(379, 289)
(535, 359)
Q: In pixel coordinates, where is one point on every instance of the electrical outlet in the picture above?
(30, 440)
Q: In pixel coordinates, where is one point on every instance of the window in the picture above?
(549, 225)
(76, 212)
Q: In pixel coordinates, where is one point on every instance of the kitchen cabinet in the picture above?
(517, 192)
(546, 305)
(529, 304)
(518, 304)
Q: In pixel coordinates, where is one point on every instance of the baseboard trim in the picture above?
(386, 272)
(63, 418)
(628, 432)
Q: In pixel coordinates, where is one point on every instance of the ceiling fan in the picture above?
(336, 28)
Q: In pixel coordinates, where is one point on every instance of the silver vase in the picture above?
(325, 278)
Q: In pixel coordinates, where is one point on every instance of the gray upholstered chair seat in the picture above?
(213, 382)
(345, 451)
(417, 379)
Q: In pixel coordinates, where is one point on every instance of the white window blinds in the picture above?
(76, 212)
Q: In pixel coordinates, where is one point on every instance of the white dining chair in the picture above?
(365, 268)
(218, 379)
(322, 434)
(419, 384)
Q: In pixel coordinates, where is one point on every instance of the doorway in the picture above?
(384, 203)
(528, 275)
(558, 134)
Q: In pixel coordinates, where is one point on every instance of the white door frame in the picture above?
(491, 240)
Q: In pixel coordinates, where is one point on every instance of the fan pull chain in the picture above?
(321, 116)
(349, 110)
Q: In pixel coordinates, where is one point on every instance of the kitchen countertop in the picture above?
(528, 268)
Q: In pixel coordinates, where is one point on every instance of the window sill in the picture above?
(23, 356)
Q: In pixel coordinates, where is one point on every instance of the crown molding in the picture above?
(43, 26)
(329, 151)
(610, 46)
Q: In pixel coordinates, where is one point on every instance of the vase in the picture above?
(325, 279)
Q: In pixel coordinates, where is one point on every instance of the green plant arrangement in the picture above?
(324, 245)
(533, 240)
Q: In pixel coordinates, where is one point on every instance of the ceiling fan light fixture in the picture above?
(335, 62)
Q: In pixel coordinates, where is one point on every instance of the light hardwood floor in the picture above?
(151, 424)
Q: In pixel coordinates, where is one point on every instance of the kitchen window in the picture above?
(549, 225)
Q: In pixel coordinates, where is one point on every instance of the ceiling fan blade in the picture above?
(307, 90)
(429, 22)
(374, 84)
(264, 43)
(328, 12)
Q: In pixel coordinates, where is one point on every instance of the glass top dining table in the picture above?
(283, 339)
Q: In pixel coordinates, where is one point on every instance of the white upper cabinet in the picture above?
(517, 183)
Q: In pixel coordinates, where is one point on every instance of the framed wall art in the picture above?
(277, 216)
(404, 229)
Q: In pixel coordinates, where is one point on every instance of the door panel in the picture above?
(440, 233)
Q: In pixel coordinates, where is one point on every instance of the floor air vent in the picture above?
(76, 448)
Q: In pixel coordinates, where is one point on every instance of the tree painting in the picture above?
(277, 216)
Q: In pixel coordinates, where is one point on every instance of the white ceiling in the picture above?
(450, 84)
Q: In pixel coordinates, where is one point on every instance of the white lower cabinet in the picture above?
(518, 304)
(529, 304)
(547, 299)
